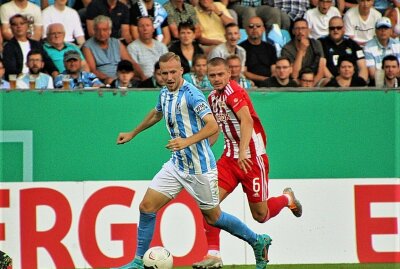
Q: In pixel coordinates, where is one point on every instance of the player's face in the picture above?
(232, 35)
(219, 76)
(346, 69)
(391, 69)
(283, 69)
(171, 73)
(324, 6)
(336, 29)
(200, 67)
(35, 63)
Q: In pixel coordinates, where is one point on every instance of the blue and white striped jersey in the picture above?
(183, 111)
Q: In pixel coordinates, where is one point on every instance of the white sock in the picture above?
(289, 198)
(214, 253)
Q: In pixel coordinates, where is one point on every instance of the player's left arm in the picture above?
(246, 129)
(210, 128)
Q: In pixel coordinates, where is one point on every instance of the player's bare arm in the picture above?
(212, 139)
(152, 118)
(246, 129)
(210, 128)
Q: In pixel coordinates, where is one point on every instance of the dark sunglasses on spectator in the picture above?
(252, 25)
(331, 28)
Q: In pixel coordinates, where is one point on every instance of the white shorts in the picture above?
(203, 188)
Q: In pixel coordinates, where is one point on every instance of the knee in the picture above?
(259, 216)
(146, 207)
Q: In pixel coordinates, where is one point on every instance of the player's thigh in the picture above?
(228, 174)
(255, 182)
(203, 188)
(153, 201)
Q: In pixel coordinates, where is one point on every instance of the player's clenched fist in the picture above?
(124, 137)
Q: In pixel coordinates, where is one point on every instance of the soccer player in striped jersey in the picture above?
(192, 166)
(244, 160)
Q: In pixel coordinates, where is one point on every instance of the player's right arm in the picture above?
(152, 118)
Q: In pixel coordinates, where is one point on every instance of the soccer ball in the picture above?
(158, 258)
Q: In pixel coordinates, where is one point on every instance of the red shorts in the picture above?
(254, 183)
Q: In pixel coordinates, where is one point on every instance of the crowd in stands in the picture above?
(72, 44)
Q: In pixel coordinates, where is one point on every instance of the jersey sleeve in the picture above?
(199, 103)
(237, 100)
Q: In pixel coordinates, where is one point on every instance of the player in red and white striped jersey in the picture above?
(244, 160)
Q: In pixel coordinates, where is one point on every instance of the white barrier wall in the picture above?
(93, 224)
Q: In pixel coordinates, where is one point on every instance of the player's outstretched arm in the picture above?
(210, 128)
(246, 129)
(152, 118)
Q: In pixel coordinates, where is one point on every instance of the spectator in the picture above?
(380, 46)
(394, 15)
(235, 66)
(155, 10)
(294, 8)
(180, 12)
(16, 50)
(35, 64)
(318, 18)
(4, 84)
(283, 70)
(230, 47)
(61, 13)
(359, 21)
(213, 16)
(56, 47)
(103, 52)
(347, 76)
(31, 11)
(337, 44)
(247, 9)
(260, 55)
(306, 78)
(390, 65)
(305, 52)
(146, 51)
(78, 79)
(114, 9)
(1, 43)
(125, 76)
(155, 81)
(187, 47)
(199, 75)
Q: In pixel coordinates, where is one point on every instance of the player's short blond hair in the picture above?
(166, 57)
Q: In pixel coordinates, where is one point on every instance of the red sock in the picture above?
(275, 205)
(212, 234)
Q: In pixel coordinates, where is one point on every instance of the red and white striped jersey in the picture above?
(224, 105)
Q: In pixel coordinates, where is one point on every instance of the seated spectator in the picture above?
(336, 44)
(125, 76)
(359, 21)
(306, 78)
(213, 16)
(295, 9)
(198, 77)
(230, 47)
(34, 79)
(187, 47)
(145, 50)
(61, 13)
(380, 46)
(305, 52)
(347, 76)
(390, 65)
(236, 68)
(78, 79)
(31, 11)
(4, 84)
(260, 56)
(257, 8)
(116, 11)
(56, 47)
(394, 15)
(103, 52)
(150, 8)
(180, 12)
(155, 81)
(16, 50)
(283, 70)
(318, 18)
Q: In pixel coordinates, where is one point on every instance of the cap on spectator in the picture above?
(71, 54)
(383, 22)
(125, 65)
